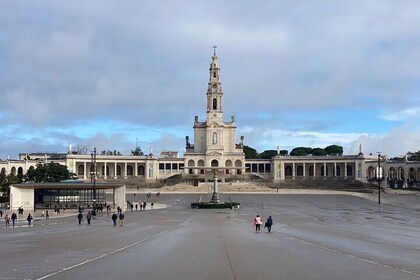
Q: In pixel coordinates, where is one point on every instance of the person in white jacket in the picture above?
(258, 222)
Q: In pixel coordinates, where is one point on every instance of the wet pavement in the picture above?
(313, 237)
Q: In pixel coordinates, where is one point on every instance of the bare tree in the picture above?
(81, 149)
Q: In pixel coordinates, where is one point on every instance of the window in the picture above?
(214, 104)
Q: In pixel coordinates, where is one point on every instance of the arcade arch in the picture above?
(228, 163)
(201, 163)
(238, 163)
(191, 163)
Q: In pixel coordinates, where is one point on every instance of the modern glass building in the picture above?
(69, 195)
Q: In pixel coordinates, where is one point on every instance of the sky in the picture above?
(117, 74)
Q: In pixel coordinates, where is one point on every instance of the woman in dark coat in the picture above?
(269, 223)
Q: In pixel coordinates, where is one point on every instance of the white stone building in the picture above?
(214, 139)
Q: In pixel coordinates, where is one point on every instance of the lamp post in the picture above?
(93, 177)
(378, 175)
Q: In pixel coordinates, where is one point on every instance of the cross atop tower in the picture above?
(214, 47)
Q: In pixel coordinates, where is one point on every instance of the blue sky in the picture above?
(110, 74)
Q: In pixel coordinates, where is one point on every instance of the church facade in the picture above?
(215, 144)
(214, 139)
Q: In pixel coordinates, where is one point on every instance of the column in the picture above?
(325, 170)
(345, 169)
(105, 176)
(136, 174)
(85, 167)
(125, 170)
(314, 170)
(115, 170)
(304, 171)
(293, 171)
(335, 169)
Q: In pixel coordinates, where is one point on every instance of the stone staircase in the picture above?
(223, 188)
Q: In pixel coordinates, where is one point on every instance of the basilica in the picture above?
(215, 144)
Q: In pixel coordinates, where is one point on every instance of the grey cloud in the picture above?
(147, 63)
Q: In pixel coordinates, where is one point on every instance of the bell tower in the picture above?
(214, 139)
(214, 92)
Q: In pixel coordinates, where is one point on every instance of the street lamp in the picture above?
(378, 175)
(93, 175)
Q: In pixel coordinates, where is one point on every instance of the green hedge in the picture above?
(208, 205)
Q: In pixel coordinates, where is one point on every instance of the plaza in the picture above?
(314, 236)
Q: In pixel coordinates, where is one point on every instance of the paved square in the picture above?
(313, 237)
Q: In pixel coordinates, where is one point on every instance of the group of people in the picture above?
(258, 221)
(45, 213)
(119, 215)
(13, 218)
(142, 205)
(89, 215)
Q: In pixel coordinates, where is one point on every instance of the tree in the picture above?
(334, 150)
(81, 149)
(318, 152)
(284, 152)
(413, 156)
(5, 182)
(301, 151)
(137, 152)
(48, 173)
(250, 153)
(267, 154)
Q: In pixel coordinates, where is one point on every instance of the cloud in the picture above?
(309, 74)
(403, 115)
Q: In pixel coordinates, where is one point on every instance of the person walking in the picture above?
(7, 220)
(88, 217)
(47, 214)
(80, 217)
(42, 213)
(29, 219)
(269, 223)
(121, 219)
(257, 222)
(114, 218)
(14, 218)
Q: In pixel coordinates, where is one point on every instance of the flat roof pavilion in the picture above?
(72, 194)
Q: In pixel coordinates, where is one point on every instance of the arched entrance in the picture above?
(288, 171)
(191, 163)
(228, 163)
(238, 163)
(81, 170)
(201, 163)
(140, 170)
